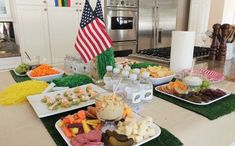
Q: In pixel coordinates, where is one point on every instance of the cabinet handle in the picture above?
(76, 3)
(45, 9)
(77, 10)
(44, 1)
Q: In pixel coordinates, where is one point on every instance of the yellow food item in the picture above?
(17, 92)
(85, 126)
(75, 131)
(159, 71)
(93, 122)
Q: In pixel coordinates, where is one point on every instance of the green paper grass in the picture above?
(211, 111)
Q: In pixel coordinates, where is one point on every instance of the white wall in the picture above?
(216, 13)
(229, 12)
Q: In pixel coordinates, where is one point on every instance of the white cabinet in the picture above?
(34, 32)
(63, 26)
(48, 31)
(31, 2)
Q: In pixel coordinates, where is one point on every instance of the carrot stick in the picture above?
(67, 132)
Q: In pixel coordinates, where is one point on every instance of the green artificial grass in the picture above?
(104, 59)
(211, 111)
(18, 78)
(73, 80)
(165, 138)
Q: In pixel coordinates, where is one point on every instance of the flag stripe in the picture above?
(97, 37)
(104, 35)
(81, 53)
(104, 32)
(92, 41)
(100, 37)
(89, 28)
(82, 47)
(102, 23)
(88, 43)
(80, 50)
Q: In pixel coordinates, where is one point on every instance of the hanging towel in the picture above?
(65, 3)
(56, 3)
(60, 3)
(69, 3)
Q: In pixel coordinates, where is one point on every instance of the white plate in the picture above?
(20, 75)
(155, 126)
(47, 78)
(42, 110)
(202, 103)
(158, 81)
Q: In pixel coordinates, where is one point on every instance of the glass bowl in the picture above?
(109, 106)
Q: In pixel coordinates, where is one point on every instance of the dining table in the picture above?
(20, 126)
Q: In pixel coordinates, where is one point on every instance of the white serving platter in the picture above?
(202, 103)
(155, 126)
(20, 75)
(49, 77)
(42, 110)
(159, 81)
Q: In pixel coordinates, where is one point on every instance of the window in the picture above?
(8, 47)
(5, 13)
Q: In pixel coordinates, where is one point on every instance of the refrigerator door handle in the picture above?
(159, 35)
(154, 26)
(157, 25)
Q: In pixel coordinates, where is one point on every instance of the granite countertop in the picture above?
(192, 129)
(227, 67)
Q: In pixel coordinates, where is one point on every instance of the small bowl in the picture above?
(158, 81)
(47, 78)
(108, 111)
(193, 81)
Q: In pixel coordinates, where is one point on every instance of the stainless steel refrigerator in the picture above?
(157, 19)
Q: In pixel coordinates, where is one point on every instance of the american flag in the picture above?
(92, 38)
(98, 12)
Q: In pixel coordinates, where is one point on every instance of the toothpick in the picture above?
(115, 90)
(193, 64)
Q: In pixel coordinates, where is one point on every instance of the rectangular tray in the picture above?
(203, 103)
(42, 110)
(156, 127)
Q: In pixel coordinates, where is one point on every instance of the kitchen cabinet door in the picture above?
(31, 2)
(34, 32)
(63, 25)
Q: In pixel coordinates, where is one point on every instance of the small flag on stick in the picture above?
(92, 38)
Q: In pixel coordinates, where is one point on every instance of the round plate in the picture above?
(20, 75)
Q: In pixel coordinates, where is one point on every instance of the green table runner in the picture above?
(211, 111)
(18, 78)
(165, 139)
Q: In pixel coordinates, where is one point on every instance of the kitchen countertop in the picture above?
(227, 67)
(21, 127)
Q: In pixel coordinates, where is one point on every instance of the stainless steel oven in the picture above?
(121, 22)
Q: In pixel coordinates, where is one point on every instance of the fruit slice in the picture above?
(85, 126)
